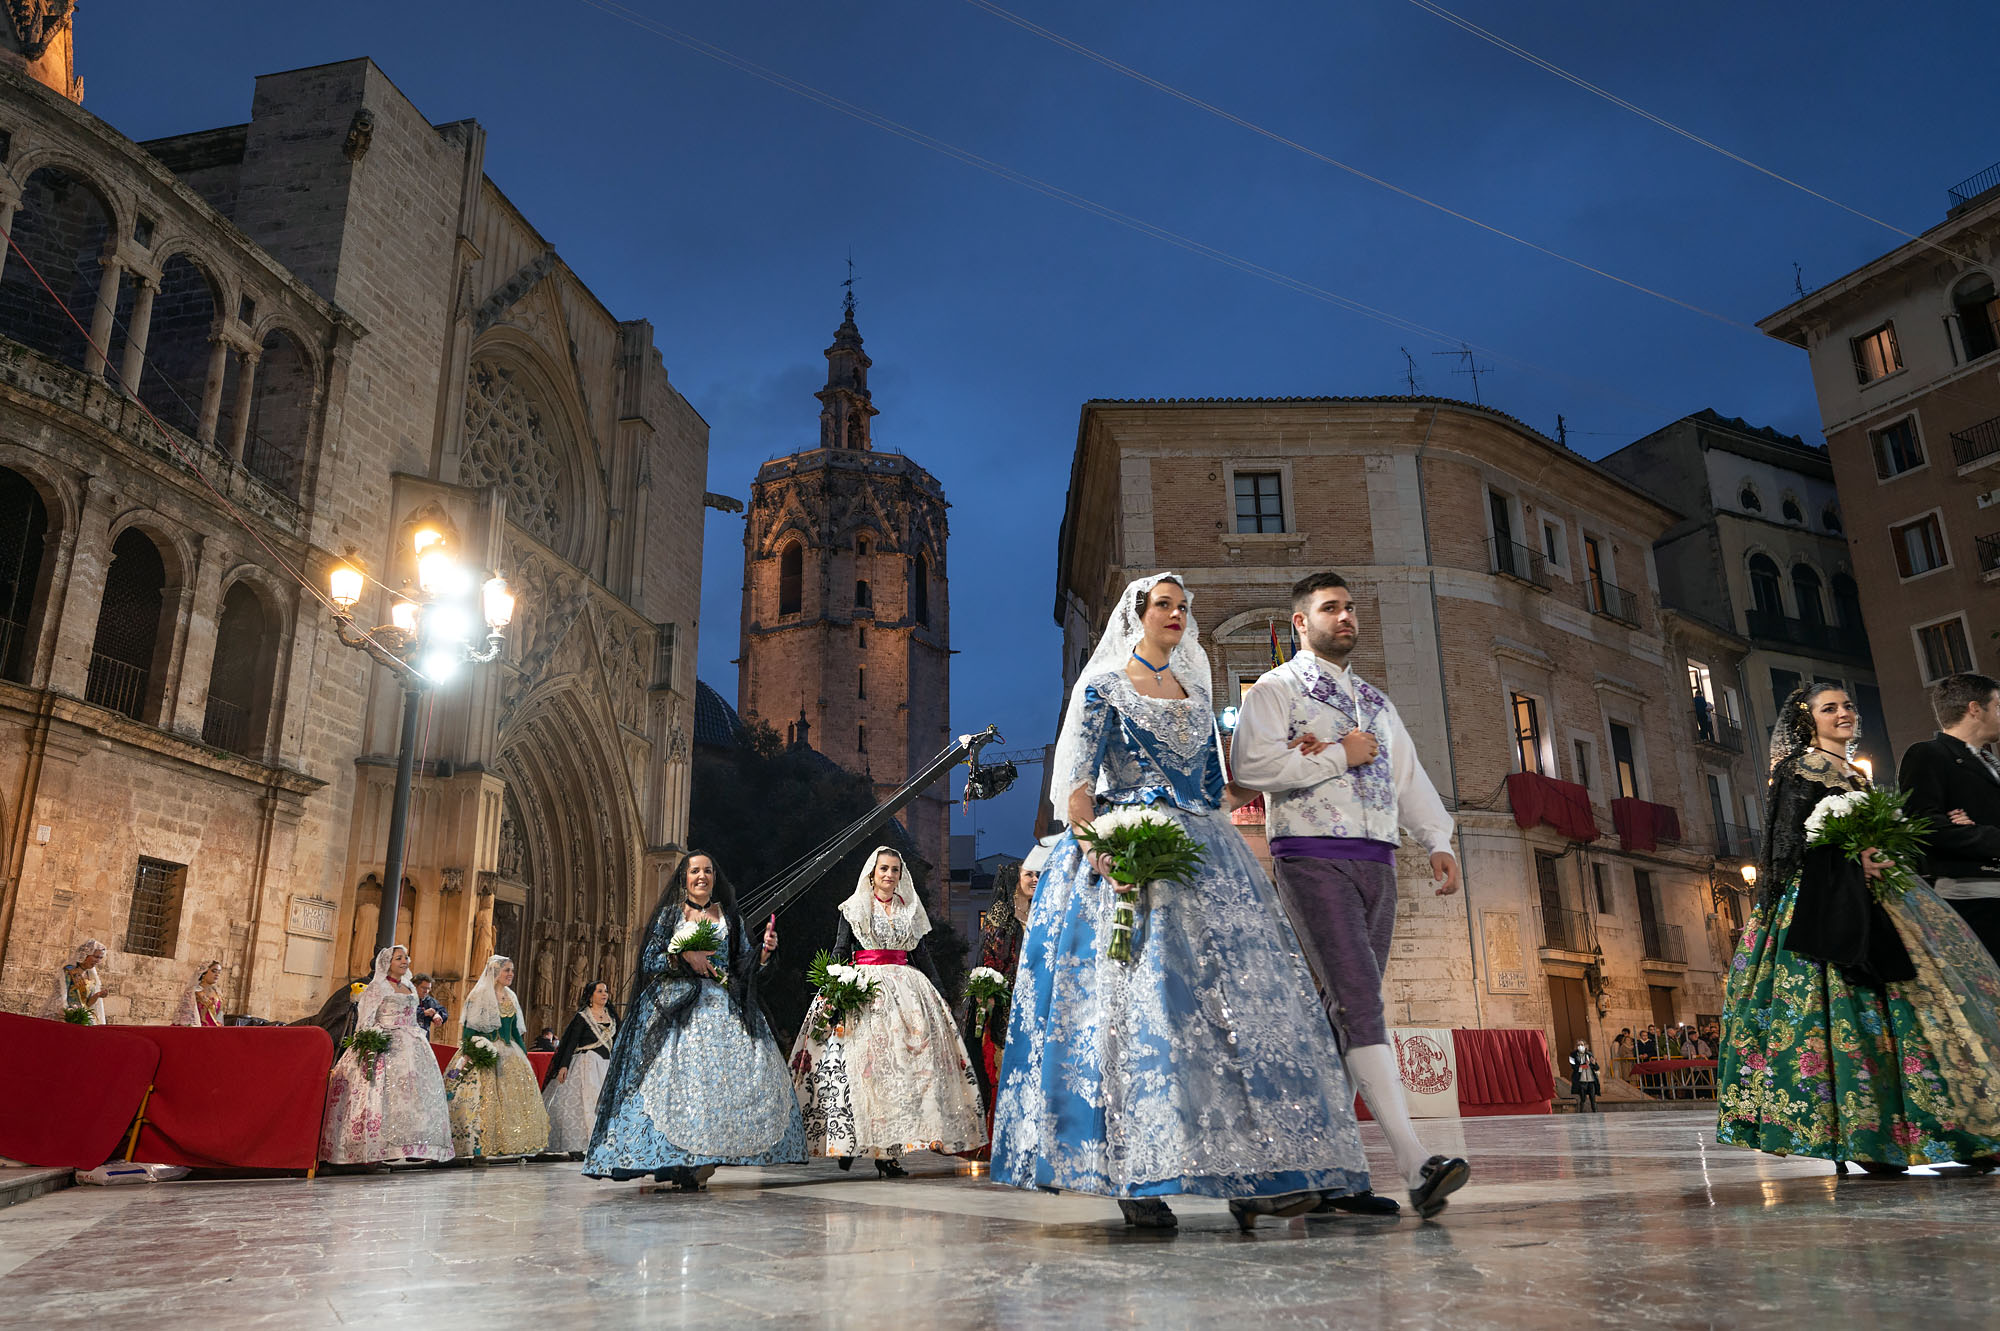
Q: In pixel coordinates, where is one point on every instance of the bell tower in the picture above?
(845, 630)
(39, 39)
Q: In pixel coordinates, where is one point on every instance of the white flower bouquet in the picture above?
(842, 989)
(1144, 846)
(1858, 820)
(984, 987)
(700, 936)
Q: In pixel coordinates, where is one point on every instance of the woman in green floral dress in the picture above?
(1856, 1029)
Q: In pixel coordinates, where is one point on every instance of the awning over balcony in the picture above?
(1643, 825)
(1562, 805)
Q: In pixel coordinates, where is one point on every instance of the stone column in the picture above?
(137, 332)
(7, 210)
(90, 560)
(246, 397)
(190, 702)
(211, 388)
(100, 321)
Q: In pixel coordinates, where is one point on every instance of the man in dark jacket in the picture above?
(1954, 781)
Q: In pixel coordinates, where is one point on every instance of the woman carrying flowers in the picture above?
(385, 1099)
(1205, 1063)
(696, 1079)
(496, 1102)
(1863, 1017)
(890, 1075)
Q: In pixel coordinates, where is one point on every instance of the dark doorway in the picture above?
(1663, 1006)
(1569, 1007)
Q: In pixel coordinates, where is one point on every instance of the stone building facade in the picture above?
(846, 638)
(305, 335)
(1510, 606)
(1905, 360)
(1761, 553)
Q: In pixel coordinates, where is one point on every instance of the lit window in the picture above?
(1527, 733)
(1876, 354)
(1622, 758)
(1919, 546)
(1896, 449)
(1259, 505)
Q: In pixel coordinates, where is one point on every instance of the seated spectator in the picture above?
(547, 1044)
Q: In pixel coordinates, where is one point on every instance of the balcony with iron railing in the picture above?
(1718, 732)
(116, 684)
(1977, 443)
(1965, 191)
(1662, 942)
(1835, 639)
(1612, 601)
(1988, 549)
(1523, 563)
(226, 725)
(1568, 930)
(1733, 841)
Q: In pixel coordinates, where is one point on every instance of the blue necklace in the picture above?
(1157, 670)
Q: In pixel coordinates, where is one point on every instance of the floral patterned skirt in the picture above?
(1813, 1064)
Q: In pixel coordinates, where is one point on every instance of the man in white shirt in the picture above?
(1335, 810)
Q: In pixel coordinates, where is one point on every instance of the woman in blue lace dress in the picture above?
(1206, 1064)
(696, 1078)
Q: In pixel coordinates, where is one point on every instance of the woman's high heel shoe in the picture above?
(846, 1162)
(890, 1169)
(1148, 1213)
(1247, 1209)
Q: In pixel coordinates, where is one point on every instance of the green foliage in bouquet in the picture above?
(79, 1015)
(1858, 820)
(984, 987)
(842, 989)
(1144, 846)
(479, 1053)
(369, 1045)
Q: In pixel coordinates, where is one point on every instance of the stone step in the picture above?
(20, 1183)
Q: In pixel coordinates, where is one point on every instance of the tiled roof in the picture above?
(716, 724)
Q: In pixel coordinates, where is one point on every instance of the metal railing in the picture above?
(1987, 546)
(1569, 930)
(1719, 731)
(1965, 191)
(1662, 942)
(273, 463)
(1735, 841)
(1523, 563)
(1613, 602)
(1842, 639)
(116, 684)
(226, 725)
(13, 641)
(1976, 443)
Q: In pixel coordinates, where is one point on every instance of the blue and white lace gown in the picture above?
(1206, 1065)
(714, 1094)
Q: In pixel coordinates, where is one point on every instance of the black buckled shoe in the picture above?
(1359, 1203)
(1148, 1213)
(1247, 1209)
(1443, 1175)
(885, 1168)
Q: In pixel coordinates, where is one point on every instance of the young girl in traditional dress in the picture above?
(386, 1107)
(696, 1079)
(1857, 1028)
(898, 1079)
(576, 1074)
(495, 1111)
(202, 1004)
(79, 985)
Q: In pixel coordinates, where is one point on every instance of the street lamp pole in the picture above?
(428, 636)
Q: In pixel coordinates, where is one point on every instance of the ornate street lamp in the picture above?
(428, 637)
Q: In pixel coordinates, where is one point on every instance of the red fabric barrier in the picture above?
(235, 1097)
(1563, 805)
(71, 1090)
(1503, 1072)
(540, 1061)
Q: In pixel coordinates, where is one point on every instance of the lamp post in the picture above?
(428, 637)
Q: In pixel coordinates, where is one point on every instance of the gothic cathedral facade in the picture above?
(845, 616)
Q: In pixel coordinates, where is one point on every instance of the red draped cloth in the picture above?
(1503, 1072)
(71, 1091)
(1563, 805)
(1643, 825)
(235, 1097)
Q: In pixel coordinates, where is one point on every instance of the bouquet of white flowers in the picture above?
(843, 989)
(1144, 846)
(700, 936)
(985, 987)
(1858, 820)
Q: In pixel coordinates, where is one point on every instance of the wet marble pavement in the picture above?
(1632, 1220)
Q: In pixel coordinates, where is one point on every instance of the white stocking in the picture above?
(1373, 1068)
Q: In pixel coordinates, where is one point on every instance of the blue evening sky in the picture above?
(723, 208)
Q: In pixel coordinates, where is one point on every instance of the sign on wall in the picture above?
(1506, 960)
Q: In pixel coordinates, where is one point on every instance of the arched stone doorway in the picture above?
(565, 897)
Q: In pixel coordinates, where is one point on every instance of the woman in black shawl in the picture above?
(1856, 1028)
(696, 1079)
(575, 1077)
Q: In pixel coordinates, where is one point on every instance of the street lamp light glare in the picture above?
(403, 614)
(427, 537)
(1750, 874)
(344, 585)
(447, 624)
(435, 567)
(498, 603)
(440, 666)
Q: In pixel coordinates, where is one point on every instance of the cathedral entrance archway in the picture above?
(565, 894)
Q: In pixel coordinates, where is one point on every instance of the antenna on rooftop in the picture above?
(1409, 369)
(1471, 366)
